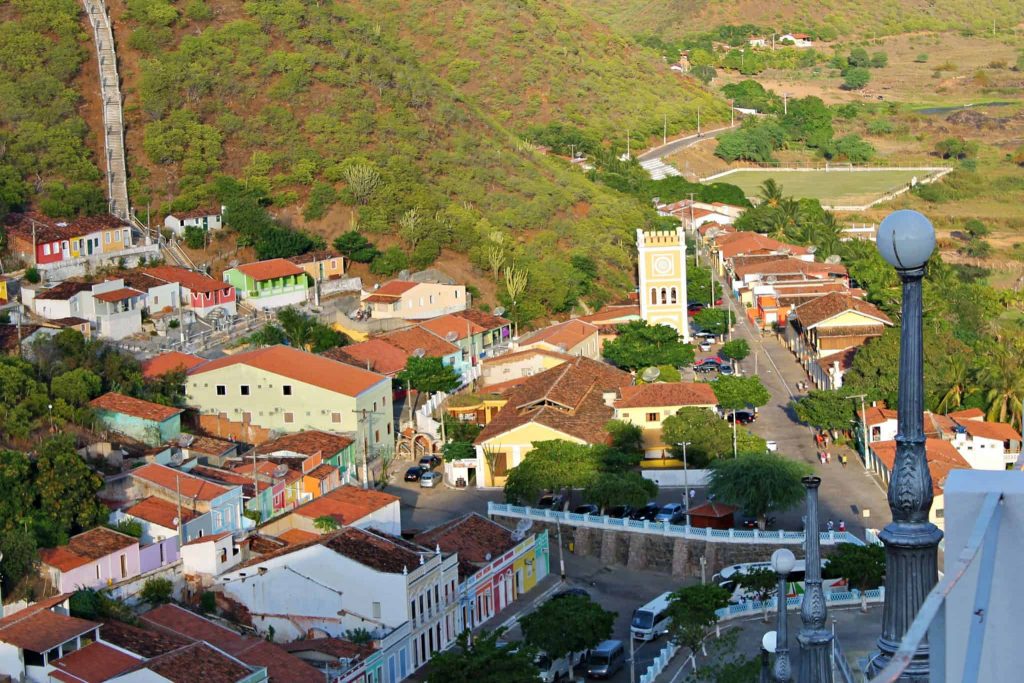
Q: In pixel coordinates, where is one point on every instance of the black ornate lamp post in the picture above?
(783, 562)
(815, 640)
(906, 239)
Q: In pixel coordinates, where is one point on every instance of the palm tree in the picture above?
(1004, 378)
(770, 192)
(953, 398)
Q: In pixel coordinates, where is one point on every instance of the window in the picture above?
(46, 250)
(673, 295)
(106, 237)
(124, 566)
(336, 418)
(286, 389)
(376, 610)
(97, 572)
(654, 295)
(414, 610)
(421, 603)
(117, 236)
(652, 417)
(389, 427)
(374, 406)
(376, 435)
(244, 389)
(127, 236)
(664, 296)
(334, 264)
(430, 299)
(429, 605)
(289, 417)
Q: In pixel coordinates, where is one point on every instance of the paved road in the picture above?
(681, 143)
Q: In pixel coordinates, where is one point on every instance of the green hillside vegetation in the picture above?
(319, 104)
(825, 19)
(44, 158)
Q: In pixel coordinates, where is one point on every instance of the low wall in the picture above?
(680, 477)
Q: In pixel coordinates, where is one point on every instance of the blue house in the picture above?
(197, 495)
(144, 421)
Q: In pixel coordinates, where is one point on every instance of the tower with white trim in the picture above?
(662, 265)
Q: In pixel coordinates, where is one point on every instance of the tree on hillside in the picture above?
(572, 623)
(627, 488)
(758, 483)
(831, 410)
(20, 557)
(858, 57)
(862, 566)
(809, 120)
(67, 487)
(708, 436)
(956, 148)
(639, 345)
(18, 495)
(856, 78)
(356, 247)
(1003, 377)
(693, 612)
(480, 658)
(429, 375)
(714, 320)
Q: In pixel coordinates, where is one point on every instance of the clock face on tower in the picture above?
(664, 265)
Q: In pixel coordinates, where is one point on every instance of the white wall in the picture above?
(205, 558)
(388, 519)
(10, 661)
(291, 298)
(980, 453)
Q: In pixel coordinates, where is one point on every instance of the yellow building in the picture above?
(662, 265)
(478, 409)
(647, 406)
(572, 402)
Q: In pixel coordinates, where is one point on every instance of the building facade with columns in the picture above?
(662, 278)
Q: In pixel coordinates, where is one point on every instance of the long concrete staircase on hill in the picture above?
(113, 120)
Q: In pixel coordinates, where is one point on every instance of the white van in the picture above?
(728, 579)
(651, 620)
(552, 670)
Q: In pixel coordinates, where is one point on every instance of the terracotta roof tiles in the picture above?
(819, 310)
(86, 547)
(474, 537)
(998, 431)
(664, 394)
(52, 229)
(115, 295)
(63, 291)
(197, 662)
(567, 334)
(189, 279)
(94, 663)
(412, 339)
(159, 511)
(346, 504)
(201, 212)
(488, 321)
(942, 458)
(145, 642)
(169, 362)
(270, 269)
(309, 442)
(174, 480)
(394, 288)
(135, 407)
(373, 354)
(615, 312)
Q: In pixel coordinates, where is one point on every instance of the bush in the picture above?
(208, 602)
(880, 127)
(956, 148)
(157, 591)
(854, 148)
(356, 247)
(976, 228)
(321, 197)
(921, 58)
(32, 275)
(856, 78)
(978, 248)
(879, 60)
(195, 237)
(389, 262)
(858, 57)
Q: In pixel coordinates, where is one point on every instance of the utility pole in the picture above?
(698, 121)
(627, 143)
(734, 449)
(177, 491)
(785, 103)
(561, 551)
(364, 474)
(664, 132)
(686, 481)
(863, 423)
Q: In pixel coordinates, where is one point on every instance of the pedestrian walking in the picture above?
(844, 459)
(828, 457)
(842, 525)
(830, 526)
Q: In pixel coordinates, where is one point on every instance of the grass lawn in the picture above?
(831, 188)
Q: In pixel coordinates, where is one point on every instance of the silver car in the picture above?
(429, 480)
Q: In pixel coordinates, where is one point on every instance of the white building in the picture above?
(354, 578)
(114, 310)
(205, 218)
(986, 445)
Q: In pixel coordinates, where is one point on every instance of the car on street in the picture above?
(706, 344)
(619, 511)
(586, 509)
(430, 479)
(772, 446)
(725, 369)
(552, 501)
(751, 522)
(707, 365)
(413, 473)
(429, 462)
(647, 512)
(694, 308)
(672, 513)
(743, 417)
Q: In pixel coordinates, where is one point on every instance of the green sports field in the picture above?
(832, 188)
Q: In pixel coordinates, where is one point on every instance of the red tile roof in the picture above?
(268, 270)
(395, 288)
(94, 663)
(334, 647)
(789, 266)
(48, 229)
(876, 415)
(301, 367)
(475, 538)
(62, 292)
(296, 536)
(373, 354)
(174, 480)
(817, 311)
(115, 295)
(565, 335)
(322, 472)
(713, 509)
(376, 550)
(212, 538)
(135, 407)
(198, 662)
(969, 414)
(458, 326)
(567, 398)
(144, 642)
(488, 321)
(412, 339)
(314, 257)
(664, 394)
(942, 458)
(86, 547)
(160, 512)
(732, 243)
(171, 361)
(998, 431)
(607, 314)
(201, 212)
(346, 504)
(38, 629)
(191, 280)
(309, 442)
(526, 353)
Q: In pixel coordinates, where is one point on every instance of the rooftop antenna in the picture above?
(650, 374)
(521, 528)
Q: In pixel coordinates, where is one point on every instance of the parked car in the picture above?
(429, 480)
(707, 365)
(429, 462)
(751, 522)
(671, 513)
(413, 473)
(725, 369)
(587, 509)
(647, 512)
(706, 344)
(606, 659)
(743, 417)
(620, 511)
(570, 591)
(772, 446)
(694, 308)
(553, 501)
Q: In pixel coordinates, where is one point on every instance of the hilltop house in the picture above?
(92, 559)
(647, 406)
(413, 300)
(496, 334)
(320, 265)
(147, 422)
(251, 394)
(204, 218)
(196, 495)
(796, 39)
(275, 283)
(573, 337)
(114, 309)
(572, 401)
(198, 292)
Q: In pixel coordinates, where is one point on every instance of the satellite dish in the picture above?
(487, 557)
(233, 263)
(770, 279)
(419, 353)
(376, 286)
(833, 259)
(176, 458)
(185, 440)
(174, 522)
(521, 528)
(452, 336)
(811, 249)
(563, 347)
(403, 275)
(280, 471)
(500, 310)
(650, 374)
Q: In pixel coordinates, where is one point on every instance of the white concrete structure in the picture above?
(987, 445)
(203, 218)
(662, 264)
(113, 309)
(210, 556)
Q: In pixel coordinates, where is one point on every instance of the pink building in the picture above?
(93, 559)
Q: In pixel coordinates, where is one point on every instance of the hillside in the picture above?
(844, 18)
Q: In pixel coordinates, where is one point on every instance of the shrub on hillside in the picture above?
(389, 262)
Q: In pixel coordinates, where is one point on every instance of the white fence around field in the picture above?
(666, 529)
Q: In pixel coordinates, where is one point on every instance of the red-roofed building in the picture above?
(111, 306)
(95, 663)
(197, 495)
(942, 458)
(284, 389)
(348, 506)
(46, 242)
(647, 406)
(274, 283)
(574, 337)
(517, 366)
(410, 300)
(171, 361)
(91, 559)
(986, 445)
(197, 291)
(33, 638)
(144, 421)
(373, 354)
(204, 218)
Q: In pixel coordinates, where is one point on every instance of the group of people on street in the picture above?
(832, 526)
(823, 439)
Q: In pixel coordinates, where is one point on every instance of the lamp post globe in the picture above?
(783, 561)
(906, 239)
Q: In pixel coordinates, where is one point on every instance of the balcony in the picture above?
(970, 635)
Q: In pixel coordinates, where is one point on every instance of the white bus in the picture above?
(651, 620)
(728, 579)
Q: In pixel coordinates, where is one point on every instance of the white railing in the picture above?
(660, 662)
(832, 599)
(666, 529)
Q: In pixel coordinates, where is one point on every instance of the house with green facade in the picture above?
(274, 283)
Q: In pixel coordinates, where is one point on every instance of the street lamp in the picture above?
(767, 648)
(783, 562)
(815, 640)
(686, 481)
(906, 240)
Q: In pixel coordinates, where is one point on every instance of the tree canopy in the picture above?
(482, 659)
(714, 320)
(639, 345)
(758, 483)
(708, 435)
(692, 610)
(429, 375)
(572, 623)
(736, 393)
(826, 409)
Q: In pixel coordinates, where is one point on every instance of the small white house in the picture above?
(797, 39)
(205, 218)
(210, 556)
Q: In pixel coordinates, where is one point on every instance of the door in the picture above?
(88, 246)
